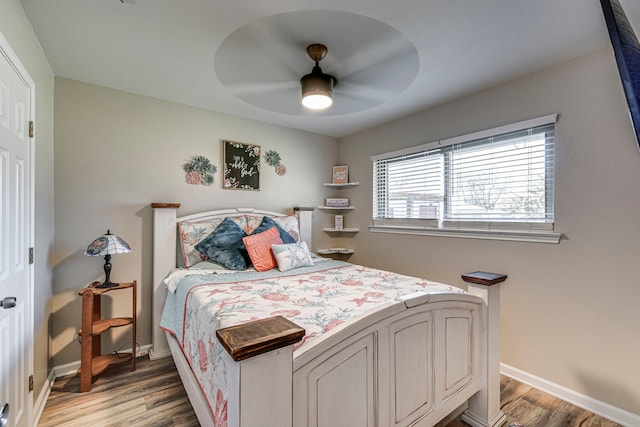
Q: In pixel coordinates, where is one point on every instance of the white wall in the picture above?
(570, 311)
(116, 153)
(17, 30)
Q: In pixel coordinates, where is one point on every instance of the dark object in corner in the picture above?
(627, 51)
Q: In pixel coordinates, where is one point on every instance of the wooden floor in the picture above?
(153, 396)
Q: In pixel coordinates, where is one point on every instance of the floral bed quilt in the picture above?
(317, 298)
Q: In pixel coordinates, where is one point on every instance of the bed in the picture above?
(322, 343)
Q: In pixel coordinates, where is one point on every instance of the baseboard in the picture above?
(155, 355)
(41, 401)
(72, 368)
(590, 404)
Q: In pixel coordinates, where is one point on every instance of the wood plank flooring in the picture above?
(154, 396)
(151, 396)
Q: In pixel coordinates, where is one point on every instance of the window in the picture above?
(501, 179)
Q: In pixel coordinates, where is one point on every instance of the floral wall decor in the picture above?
(199, 171)
(241, 166)
(273, 159)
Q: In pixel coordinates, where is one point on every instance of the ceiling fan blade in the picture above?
(362, 92)
(242, 89)
(278, 55)
(377, 52)
(279, 44)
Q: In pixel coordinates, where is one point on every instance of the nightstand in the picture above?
(92, 361)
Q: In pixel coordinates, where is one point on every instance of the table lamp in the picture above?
(107, 245)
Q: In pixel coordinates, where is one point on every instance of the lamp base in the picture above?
(107, 285)
(107, 272)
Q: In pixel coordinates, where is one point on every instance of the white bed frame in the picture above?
(410, 363)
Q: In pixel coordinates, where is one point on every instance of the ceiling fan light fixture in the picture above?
(317, 90)
(317, 87)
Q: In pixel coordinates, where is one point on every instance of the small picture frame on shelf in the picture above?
(338, 222)
(340, 175)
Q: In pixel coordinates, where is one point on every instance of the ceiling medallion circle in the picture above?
(262, 62)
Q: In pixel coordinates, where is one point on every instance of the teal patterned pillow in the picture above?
(192, 233)
(267, 223)
(224, 246)
(292, 255)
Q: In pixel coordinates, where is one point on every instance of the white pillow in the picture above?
(292, 255)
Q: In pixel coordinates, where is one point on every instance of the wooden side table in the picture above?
(92, 361)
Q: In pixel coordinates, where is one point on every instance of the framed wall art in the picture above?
(241, 166)
(340, 175)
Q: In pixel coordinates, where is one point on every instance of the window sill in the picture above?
(535, 236)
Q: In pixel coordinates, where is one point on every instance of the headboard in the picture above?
(165, 253)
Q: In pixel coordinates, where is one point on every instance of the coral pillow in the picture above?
(259, 248)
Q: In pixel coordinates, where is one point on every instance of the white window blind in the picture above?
(502, 177)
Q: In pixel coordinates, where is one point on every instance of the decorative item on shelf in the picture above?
(199, 171)
(272, 158)
(241, 166)
(340, 175)
(336, 202)
(338, 222)
(107, 245)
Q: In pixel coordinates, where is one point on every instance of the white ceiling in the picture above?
(186, 51)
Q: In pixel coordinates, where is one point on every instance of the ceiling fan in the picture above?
(264, 63)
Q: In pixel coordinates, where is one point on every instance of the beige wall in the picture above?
(116, 153)
(570, 311)
(17, 30)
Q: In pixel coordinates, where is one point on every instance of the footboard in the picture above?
(410, 363)
(412, 368)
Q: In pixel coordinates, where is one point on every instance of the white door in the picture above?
(16, 351)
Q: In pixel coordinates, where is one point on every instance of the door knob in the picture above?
(7, 302)
(4, 415)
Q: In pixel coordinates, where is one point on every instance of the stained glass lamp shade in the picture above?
(107, 245)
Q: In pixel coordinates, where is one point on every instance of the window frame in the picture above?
(529, 231)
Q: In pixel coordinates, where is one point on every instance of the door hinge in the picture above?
(30, 256)
(30, 128)
(30, 382)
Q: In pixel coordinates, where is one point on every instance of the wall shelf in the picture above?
(333, 251)
(348, 184)
(341, 230)
(92, 361)
(336, 208)
(338, 231)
